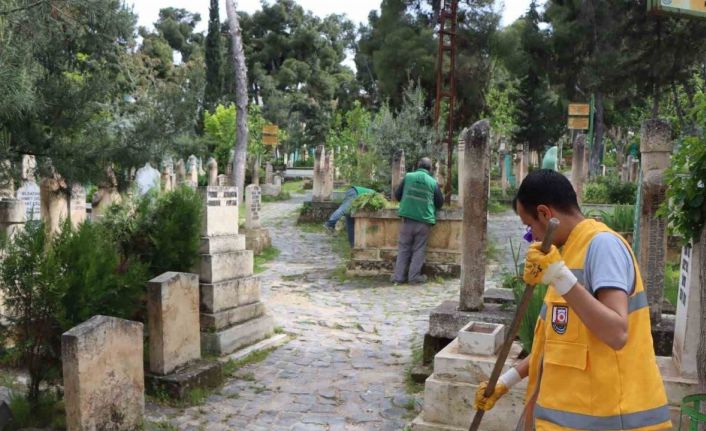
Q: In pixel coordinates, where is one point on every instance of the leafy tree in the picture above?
(176, 26)
(219, 129)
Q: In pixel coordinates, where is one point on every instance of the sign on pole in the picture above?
(689, 8)
(579, 116)
(578, 123)
(579, 109)
(269, 134)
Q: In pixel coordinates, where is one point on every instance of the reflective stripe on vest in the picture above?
(635, 302)
(600, 423)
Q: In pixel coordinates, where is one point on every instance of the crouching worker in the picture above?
(345, 210)
(592, 365)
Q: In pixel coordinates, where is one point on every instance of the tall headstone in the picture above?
(398, 170)
(327, 189)
(180, 172)
(268, 173)
(147, 178)
(320, 176)
(193, 172)
(28, 192)
(173, 321)
(475, 215)
(687, 327)
(656, 148)
(166, 180)
(252, 207)
(106, 195)
(103, 375)
(212, 166)
(77, 205)
(461, 167)
(578, 168)
(54, 199)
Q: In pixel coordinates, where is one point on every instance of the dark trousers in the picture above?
(411, 250)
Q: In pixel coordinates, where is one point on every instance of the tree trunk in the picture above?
(241, 99)
(598, 132)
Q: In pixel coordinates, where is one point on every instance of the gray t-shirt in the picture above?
(608, 264)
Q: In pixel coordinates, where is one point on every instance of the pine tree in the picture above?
(214, 59)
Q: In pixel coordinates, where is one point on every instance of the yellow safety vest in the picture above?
(582, 383)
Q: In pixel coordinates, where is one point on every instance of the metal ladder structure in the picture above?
(446, 84)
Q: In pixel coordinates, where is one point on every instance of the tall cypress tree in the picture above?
(214, 59)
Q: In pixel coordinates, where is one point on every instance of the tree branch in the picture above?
(22, 8)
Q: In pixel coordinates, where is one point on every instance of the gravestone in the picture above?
(103, 375)
(257, 238)
(327, 188)
(174, 338)
(223, 180)
(232, 315)
(106, 195)
(398, 171)
(54, 202)
(504, 174)
(278, 180)
(687, 327)
(166, 178)
(578, 167)
(28, 194)
(655, 147)
(12, 219)
(268, 173)
(212, 166)
(147, 178)
(180, 172)
(77, 205)
(192, 169)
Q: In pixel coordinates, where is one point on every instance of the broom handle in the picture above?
(514, 328)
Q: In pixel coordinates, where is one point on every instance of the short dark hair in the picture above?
(424, 163)
(546, 187)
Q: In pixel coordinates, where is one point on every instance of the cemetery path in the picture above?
(352, 342)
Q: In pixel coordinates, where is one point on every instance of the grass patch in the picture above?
(48, 413)
(312, 227)
(495, 207)
(282, 196)
(671, 282)
(411, 386)
(293, 187)
(232, 366)
(194, 397)
(267, 255)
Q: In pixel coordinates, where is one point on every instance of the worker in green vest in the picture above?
(345, 210)
(419, 196)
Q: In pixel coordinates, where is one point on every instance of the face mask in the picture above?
(528, 235)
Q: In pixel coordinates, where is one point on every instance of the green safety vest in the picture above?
(418, 197)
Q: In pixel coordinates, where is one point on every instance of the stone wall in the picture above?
(375, 248)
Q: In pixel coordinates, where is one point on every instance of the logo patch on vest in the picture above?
(560, 318)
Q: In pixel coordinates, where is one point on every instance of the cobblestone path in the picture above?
(353, 340)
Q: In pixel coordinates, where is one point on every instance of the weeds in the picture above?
(267, 255)
(230, 367)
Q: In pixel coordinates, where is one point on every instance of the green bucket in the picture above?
(691, 408)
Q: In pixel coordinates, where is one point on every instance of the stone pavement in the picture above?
(353, 340)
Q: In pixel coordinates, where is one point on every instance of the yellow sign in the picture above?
(696, 8)
(269, 134)
(579, 109)
(578, 123)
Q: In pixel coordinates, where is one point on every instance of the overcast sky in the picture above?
(357, 10)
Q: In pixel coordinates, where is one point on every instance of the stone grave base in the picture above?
(373, 267)
(450, 391)
(237, 336)
(197, 374)
(270, 189)
(446, 320)
(317, 212)
(257, 239)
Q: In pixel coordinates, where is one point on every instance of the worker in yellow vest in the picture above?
(592, 364)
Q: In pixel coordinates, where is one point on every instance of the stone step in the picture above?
(450, 403)
(238, 336)
(227, 318)
(226, 266)
(221, 244)
(451, 364)
(227, 294)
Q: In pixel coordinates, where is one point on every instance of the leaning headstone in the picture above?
(656, 148)
(212, 166)
(77, 205)
(398, 171)
(147, 178)
(475, 214)
(687, 327)
(103, 375)
(232, 315)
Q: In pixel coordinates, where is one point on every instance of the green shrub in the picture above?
(370, 202)
(595, 193)
(48, 411)
(609, 190)
(620, 219)
(304, 163)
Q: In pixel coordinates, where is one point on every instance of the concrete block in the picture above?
(233, 316)
(103, 375)
(480, 338)
(238, 336)
(230, 293)
(222, 244)
(225, 266)
(173, 321)
(451, 364)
